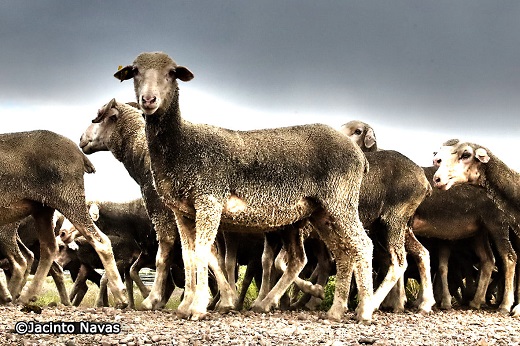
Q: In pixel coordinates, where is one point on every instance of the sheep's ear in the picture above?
(94, 211)
(102, 113)
(183, 74)
(482, 155)
(370, 138)
(125, 73)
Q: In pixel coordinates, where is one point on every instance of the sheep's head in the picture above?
(361, 133)
(459, 163)
(97, 135)
(155, 77)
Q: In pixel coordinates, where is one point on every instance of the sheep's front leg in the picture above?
(187, 236)
(207, 220)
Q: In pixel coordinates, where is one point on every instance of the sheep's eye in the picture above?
(465, 155)
(358, 132)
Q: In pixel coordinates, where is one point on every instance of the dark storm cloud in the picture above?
(424, 62)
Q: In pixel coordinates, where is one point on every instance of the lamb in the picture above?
(254, 180)
(457, 215)
(41, 172)
(463, 162)
(119, 128)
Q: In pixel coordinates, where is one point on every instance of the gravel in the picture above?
(455, 327)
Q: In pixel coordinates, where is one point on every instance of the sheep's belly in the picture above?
(237, 212)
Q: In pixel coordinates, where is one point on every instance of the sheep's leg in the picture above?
(57, 275)
(251, 268)
(422, 257)
(29, 257)
(227, 293)
(304, 285)
(322, 273)
(134, 274)
(187, 236)
(5, 295)
(509, 259)
(231, 259)
(102, 299)
(77, 214)
(270, 239)
(293, 243)
(207, 220)
(487, 264)
(129, 288)
(444, 258)
(163, 262)
(79, 288)
(352, 248)
(397, 228)
(17, 261)
(48, 250)
(396, 298)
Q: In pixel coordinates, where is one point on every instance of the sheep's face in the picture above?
(458, 163)
(361, 134)
(97, 135)
(155, 80)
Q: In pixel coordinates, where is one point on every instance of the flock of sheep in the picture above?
(291, 203)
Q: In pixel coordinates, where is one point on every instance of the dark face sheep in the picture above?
(258, 180)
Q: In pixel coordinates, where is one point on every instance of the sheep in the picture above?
(390, 193)
(460, 162)
(42, 171)
(120, 129)
(250, 179)
(456, 215)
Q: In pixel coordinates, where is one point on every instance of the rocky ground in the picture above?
(456, 327)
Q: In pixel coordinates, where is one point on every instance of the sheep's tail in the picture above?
(89, 167)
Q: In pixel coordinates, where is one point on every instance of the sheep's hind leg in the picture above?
(48, 250)
(348, 249)
(5, 295)
(421, 255)
(293, 243)
(227, 294)
(305, 286)
(162, 264)
(19, 266)
(57, 275)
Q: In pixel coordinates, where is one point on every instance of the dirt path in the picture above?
(456, 327)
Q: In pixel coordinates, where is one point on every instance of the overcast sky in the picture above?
(420, 72)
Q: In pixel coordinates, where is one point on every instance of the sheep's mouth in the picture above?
(148, 109)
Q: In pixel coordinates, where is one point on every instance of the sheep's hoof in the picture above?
(503, 311)
(516, 311)
(259, 308)
(121, 305)
(198, 316)
(149, 304)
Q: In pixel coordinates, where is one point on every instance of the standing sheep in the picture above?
(41, 172)
(250, 179)
(462, 162)
(458, 214)
(120, 129)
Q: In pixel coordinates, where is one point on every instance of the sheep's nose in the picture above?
(148, 100)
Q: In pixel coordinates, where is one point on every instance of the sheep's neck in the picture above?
(129, 147)
(502, 184)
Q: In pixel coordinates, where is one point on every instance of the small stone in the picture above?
(367, 341)
(156, 338)
(70, 343)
